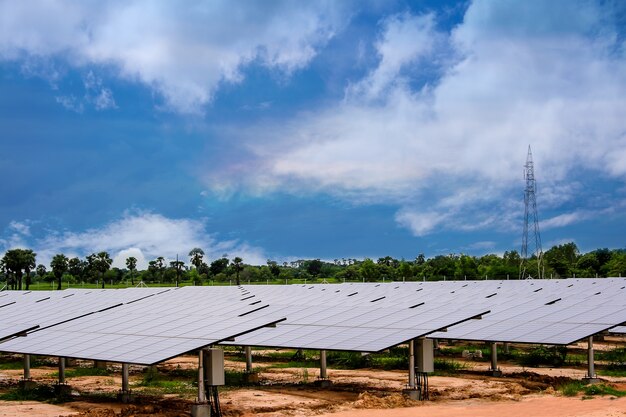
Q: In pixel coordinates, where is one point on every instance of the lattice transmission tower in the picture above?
(531, 221)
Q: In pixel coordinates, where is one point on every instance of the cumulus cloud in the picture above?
(145, 236)
(552, 74)
(182, 52)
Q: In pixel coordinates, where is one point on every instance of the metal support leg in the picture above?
(61, 370)
(323, 373)
(506, 348)
(26, 367)
(201, 390)
(591, 372)
(412, 364)
(201, 408)
(494, 360)
(248, 359)
(125, 384)
(61, 389)
(27, 383)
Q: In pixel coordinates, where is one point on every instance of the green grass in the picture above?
(544, 355)
(39, 393)
(447, 367)
(572, 389)
(78, 372)
(11, 365)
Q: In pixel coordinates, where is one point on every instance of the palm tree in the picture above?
(59, 266)
(131, 264)
(237, 264)
(100, 262)
(196, 255)
(29, 259)
(14, 261)
(41, 271)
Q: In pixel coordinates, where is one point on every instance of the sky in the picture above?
(296, 130)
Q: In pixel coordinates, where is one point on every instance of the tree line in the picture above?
(19, 269)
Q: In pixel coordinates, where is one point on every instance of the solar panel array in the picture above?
(541, 311)
(149, 329)
(364, 318)
(150, 325)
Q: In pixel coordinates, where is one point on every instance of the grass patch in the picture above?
(78, 372)
(11, 365)
(447, 366)
(572, 389)
(157, 384)
(44, 393)
(543, 355)
(603, 389)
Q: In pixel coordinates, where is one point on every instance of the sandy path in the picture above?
(32, 409)
(535, 406)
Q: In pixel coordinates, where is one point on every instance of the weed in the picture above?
(39, 393)
(571, 389)
(78, 372)
(447, 366)
(543, 355)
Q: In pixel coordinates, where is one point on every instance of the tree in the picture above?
(29, 263)
(101, 263)
(59, 266)
(196, 255)
(274, 268)
(76, 268)
(15, 261)
(314, 267)
(131, 264)
(41, 271)
(237, 264)
(369, 270)
(218, 266)
(177, 266)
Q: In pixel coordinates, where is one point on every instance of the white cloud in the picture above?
(144, 235)
(512, 73)
(71, 103)
(21, 228)
(420, 223)
(182, 52)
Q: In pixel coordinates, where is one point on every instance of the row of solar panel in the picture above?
(149, 325)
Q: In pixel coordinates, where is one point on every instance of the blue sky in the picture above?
(287, 130)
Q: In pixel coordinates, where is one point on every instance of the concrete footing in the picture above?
(412, 393)
(323, 383)
(126, 397)
(591, 381)
(496, 372)
(201, 410)
(27, 384)
(251, 377)
(62, 390)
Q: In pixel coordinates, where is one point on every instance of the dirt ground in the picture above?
(354, 393)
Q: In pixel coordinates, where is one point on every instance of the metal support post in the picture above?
(125, 384)
(61, 370)
(201, 390)
(494, 360)
(412, 364)
(26, 383)
(323, 373)
(26, 367)
(506, 348)
(591, 372)
(248, 350)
